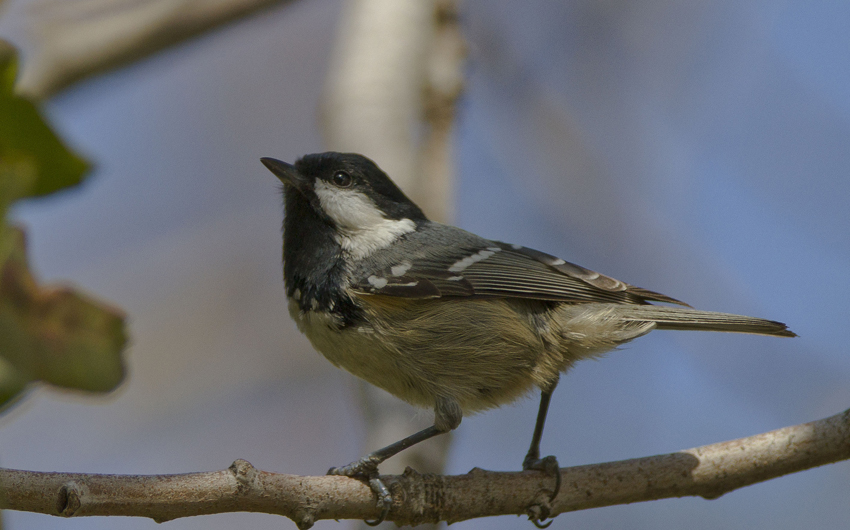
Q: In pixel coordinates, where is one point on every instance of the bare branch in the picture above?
(707, 471)
(80, 38)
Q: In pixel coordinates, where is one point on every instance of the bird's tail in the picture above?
(682, 318)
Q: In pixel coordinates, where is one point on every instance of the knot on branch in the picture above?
(68, 499)
(244, 473)
(305, 520)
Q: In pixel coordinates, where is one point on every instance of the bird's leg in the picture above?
(368, 465)
(447, 416)
(548, 464)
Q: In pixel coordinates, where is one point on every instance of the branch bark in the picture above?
(708, 471)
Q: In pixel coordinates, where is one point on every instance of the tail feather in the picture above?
(680, 318)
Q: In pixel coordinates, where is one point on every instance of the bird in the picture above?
(443, 318)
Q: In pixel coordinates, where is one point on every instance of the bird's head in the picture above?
(349, 193)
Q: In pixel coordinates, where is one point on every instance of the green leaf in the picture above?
(41, 163)
(54, 335)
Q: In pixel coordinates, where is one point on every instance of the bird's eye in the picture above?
(342, 179)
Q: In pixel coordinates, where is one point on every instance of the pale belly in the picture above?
(421, 353)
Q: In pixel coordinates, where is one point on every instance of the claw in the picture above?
(540, 512)
(366, 469)
(538, 524)
(385, 500)
(549, 465)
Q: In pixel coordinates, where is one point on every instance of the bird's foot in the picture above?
(539, 512)
(366, 469)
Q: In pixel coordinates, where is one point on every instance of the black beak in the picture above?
(286, 173)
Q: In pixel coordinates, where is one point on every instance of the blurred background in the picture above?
(701, 150)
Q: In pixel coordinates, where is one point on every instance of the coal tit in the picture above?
(441, 317)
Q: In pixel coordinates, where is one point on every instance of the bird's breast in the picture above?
(362, 351)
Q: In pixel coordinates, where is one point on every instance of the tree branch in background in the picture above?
(708, 471)
(76, 39)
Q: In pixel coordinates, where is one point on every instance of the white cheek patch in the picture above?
(349, 209)
(363, 229)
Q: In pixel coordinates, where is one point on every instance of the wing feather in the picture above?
(431, 268)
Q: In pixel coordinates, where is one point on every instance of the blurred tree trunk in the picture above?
(392, 83)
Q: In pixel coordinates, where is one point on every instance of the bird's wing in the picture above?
(494, 269)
